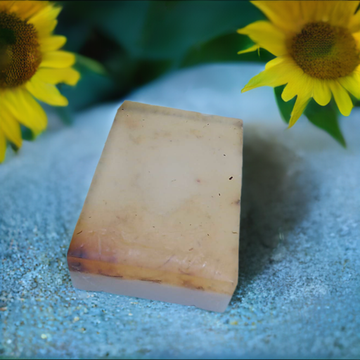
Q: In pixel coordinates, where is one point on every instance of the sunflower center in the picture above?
(324, 51)
(20, 54)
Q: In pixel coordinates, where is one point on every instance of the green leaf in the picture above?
(27, 134)
(84, 63)
(224, 49)
(13, 146)
(91, 89)
(137, 41)
(325, 118)
(65, 114)
(355, 100)
(171, 28)
(168, 29)
(121, 21)
(284, 107)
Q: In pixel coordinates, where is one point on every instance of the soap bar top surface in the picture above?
(164, 203)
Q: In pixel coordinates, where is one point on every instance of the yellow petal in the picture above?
(250, 49)
(52, 43)
(273, 62)
(310, 11)
(24, 108)
(2, 146)
(6, 5)
(55, 76)
(292, 15)
(25, 9)
(271, 77)
(47, 93)
(354, 24)
(10, 127)
(341, 97)
(283, 14)
(267, 36)
(351, 83)
(305, 90)
(322, 93)
(299, 107)
(299, 82)
(274, 76)
(45, 20)
(313, 11)
(58, 59)
(337, 13)
(357, 39)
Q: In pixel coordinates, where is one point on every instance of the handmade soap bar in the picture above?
(161, 219)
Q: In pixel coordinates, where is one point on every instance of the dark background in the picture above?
(134, 42)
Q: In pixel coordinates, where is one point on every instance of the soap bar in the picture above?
(162, 216)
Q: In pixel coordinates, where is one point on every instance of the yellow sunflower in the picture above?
(317, 49)
(31, 65)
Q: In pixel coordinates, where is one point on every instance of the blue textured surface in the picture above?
(299, 283)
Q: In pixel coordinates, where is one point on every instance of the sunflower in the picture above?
(317, 49)
(31, 65)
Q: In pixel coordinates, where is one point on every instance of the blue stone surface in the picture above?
(299, 271)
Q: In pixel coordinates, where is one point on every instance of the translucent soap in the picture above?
(161, 218)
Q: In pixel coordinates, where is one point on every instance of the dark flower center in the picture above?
(324, 51)
(20, 54)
